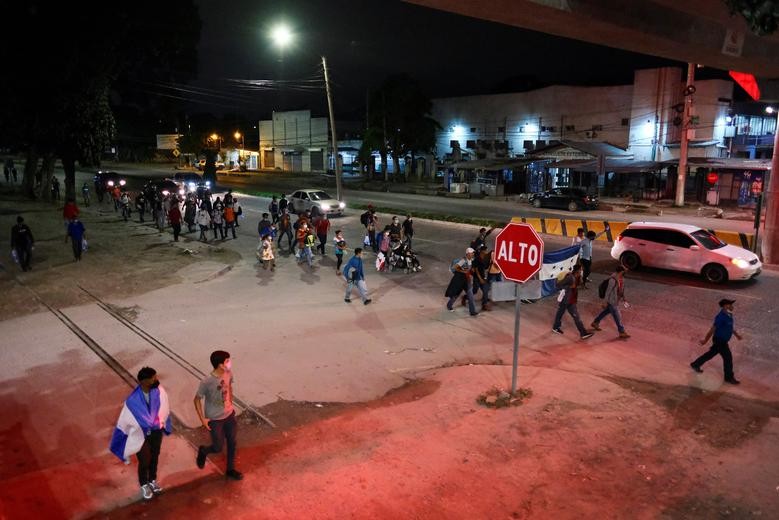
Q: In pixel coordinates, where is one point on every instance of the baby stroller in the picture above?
(402, 257)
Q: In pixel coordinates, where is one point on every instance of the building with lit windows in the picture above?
(616, 140)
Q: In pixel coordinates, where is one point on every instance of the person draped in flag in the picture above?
(144, 418)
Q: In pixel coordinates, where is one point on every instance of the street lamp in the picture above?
(239, 137)
(218, 139)
(282, 37)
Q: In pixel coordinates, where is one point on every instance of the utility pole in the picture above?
(770, 245)
(680, 175)
(332, 131)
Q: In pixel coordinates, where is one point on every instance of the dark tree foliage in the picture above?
(762, 16)
(64, 60)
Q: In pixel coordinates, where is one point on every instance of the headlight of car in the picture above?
(341, 205)
(740, 263)
(165, 193)
(110, 183)
(192, 186)
(325, 207)
(122, 182)
(208, 184)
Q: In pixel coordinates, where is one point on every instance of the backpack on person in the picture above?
(602, 288)
(453, 265)
(364, 218)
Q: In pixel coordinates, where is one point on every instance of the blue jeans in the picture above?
(469, 294)
(485, 290)
(223, 430)
(574, 312)
(360, 287)
(614, 311)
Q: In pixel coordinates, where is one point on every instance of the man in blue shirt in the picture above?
(355, 275)
(721, 330)
(76, 233)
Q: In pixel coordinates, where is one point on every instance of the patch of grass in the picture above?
(484, 222)
(498, 398)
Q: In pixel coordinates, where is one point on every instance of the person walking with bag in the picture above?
(77, 235)
(22, 243)
(355, 275)
(612, 291)
(339, 246)
(462, 280)
(569, 293)
(721, 331)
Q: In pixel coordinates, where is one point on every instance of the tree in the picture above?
(58, 103)
(400, 113)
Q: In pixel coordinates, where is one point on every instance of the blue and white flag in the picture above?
(556, 262)
(138, 419)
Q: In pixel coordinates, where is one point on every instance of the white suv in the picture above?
(683, 247)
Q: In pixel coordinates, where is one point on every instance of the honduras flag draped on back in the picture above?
(138, 419)
(556, 262)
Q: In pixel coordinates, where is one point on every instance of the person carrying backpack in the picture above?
(570, 291)
(462, 280)
(611, 291)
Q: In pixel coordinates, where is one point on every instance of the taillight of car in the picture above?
(619, 238)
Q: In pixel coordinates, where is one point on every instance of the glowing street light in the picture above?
(282, 37)
(770, 110)
(216, 139)
(238, 137)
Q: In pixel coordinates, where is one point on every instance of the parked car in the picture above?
(309, 199)
(109, 179)
(572, 199)
(683, 247)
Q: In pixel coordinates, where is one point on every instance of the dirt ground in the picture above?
(122, 259)
(583, 446)
(622, 449)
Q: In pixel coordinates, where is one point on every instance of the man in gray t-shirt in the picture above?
(216, 391)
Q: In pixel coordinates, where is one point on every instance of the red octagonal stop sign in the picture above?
(519, 252)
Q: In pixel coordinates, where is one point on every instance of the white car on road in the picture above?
(303, 200)
(683, 247)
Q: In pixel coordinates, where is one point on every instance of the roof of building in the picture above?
(731, 163)
(593, 148)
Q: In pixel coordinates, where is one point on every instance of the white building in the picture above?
(641, 117)
(294, 141)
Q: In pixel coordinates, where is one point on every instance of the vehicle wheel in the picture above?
(715, 273)
(536, 203)
(572, 206)
(630, 261)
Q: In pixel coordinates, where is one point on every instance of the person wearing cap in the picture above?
(462, 280)
(144, 418)
(22, 242)
(721, 331)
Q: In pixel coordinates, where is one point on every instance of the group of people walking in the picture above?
(145, 418)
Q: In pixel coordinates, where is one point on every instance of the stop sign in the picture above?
(519, 252)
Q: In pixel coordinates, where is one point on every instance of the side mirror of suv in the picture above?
(695, 248)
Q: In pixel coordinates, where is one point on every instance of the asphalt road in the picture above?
(493, 209)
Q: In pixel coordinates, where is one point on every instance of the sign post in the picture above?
(519, 253)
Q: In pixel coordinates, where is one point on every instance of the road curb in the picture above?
(567, 228)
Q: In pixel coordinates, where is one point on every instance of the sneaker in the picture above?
(587, 335)
(624, 335)
(366, 302)
(594, 325)
(557, 331)
(696, 368)
(234, 474)
(474, 314)
(201, 457)
(347, 300)
(733, 381)
(146, 492)
(449, 309)
(156, 489)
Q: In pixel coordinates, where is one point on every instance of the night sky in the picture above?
(366, 40)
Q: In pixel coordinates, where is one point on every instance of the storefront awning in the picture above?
(612, 165)
(728, 163)
(491, 164)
